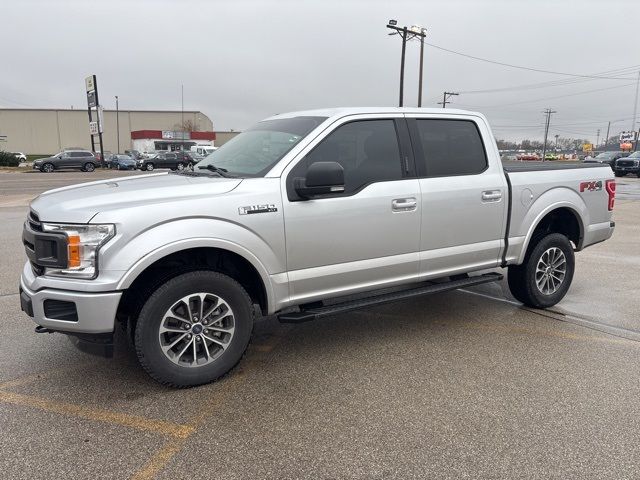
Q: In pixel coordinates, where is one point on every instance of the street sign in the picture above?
(91, 98)
(587, 147)
(93, 128)
(168, 134)
(89, 83)
(626, 137)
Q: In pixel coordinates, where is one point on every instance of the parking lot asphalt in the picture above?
(466, 384)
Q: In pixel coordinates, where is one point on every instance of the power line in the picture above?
(552, 98)
(552, 83)
(530, 69)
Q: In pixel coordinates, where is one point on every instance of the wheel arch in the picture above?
(562, 217)
(163, 264)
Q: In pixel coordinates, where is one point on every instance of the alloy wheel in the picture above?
(551, 271)
(196, 329)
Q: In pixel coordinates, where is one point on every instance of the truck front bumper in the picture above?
(69, 311)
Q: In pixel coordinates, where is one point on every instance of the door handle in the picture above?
(491, 196)
(404, 204)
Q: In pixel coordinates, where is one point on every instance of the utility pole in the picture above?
(597, 139)
(606, 140)
(422, 34)
(407, 34)
(118, 124)
(445, 98)
(548, 113)
(182, 113)
(635, 111)
(556, 135)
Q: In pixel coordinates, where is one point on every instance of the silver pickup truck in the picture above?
(292, 214)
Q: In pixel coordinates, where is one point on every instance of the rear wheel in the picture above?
(545, 276)
(89, 167)
(194, 329)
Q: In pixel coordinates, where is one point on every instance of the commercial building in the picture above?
(48, 131)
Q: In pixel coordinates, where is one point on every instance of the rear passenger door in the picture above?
(367, 236)
(464, 196)
(170, 160)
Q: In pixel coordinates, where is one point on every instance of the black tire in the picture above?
(522, 278)
(618, 174)
(150, 354)
(47, 168)
(149, 167)
(180, 166)
(190, 166)
(89, 167)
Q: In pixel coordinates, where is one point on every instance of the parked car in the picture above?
(302, 209)
(171, 160)
(20, 156)
(528, 157)
(201, 151)
(626, 165)
(121, 162)
(68, 159)
(103, 158)
(135, 154)
(606, 157)
(550, 156)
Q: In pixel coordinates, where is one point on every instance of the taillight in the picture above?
(611, 190)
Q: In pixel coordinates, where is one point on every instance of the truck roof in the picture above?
(343, 111)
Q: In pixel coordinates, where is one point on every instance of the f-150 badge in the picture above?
(250, 210)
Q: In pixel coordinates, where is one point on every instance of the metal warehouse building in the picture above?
(48, 131)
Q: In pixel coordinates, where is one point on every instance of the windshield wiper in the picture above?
(223, 172)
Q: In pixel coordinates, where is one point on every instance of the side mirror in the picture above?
(322, 178)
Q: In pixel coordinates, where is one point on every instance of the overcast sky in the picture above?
(241, 61)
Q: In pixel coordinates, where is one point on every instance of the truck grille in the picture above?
(34, 221)
(626, 163)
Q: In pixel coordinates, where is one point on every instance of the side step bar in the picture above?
(319, 312)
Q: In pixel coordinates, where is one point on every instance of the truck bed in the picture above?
(529, 166)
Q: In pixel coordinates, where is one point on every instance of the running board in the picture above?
(309, 314)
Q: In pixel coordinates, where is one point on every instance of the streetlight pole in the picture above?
(118, 124)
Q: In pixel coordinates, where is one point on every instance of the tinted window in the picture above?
(367, 150)
(79, 154)
(450, 147)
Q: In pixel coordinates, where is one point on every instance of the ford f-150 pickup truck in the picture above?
(294, 213)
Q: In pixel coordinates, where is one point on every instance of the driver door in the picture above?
(366, 237)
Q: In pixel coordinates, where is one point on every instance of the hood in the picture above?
(80, 203)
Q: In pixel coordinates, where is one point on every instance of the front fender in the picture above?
(131, 256)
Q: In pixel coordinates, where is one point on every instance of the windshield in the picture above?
(605, 155)
(254, 152)
(635, 155)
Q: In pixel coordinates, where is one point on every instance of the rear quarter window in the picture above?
(449, 148)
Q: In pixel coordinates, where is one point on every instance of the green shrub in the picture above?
(8, 159)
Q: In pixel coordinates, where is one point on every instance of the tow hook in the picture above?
(41, 329)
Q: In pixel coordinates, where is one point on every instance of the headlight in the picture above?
(83, 244)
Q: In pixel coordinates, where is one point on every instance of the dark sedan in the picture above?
(121, 162)
(606, 157)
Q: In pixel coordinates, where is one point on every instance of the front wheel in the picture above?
(545, 276)
(149, 167)
(180, 166)
(194, 329)
(47, 168)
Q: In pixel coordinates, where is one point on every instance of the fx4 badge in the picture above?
(251, 209)
(591, 186)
